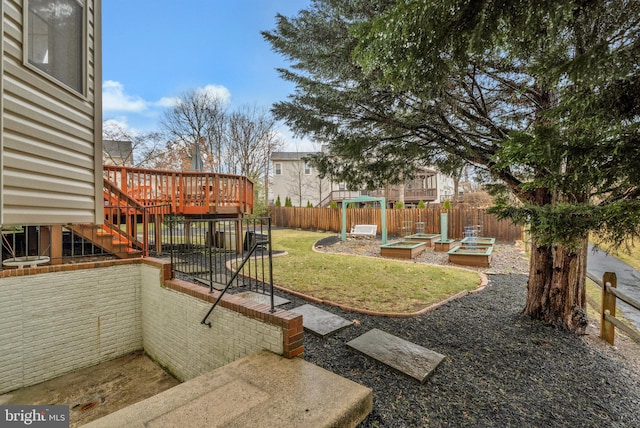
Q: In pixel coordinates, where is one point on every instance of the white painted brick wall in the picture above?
(174, 336)
(54, 323)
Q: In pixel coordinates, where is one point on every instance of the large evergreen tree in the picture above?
(543, 96)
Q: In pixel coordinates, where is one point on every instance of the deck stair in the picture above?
(109, 239)
(116, 236)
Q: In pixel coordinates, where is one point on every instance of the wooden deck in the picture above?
(188, 193)
(136, 201)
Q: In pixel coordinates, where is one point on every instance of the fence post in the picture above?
(607, 329)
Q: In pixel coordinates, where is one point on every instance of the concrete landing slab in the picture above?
(406, 357)
(320, 322)
(261, 390)
(94, 392)
(219, 280)
(263, 298)
(192, 268)
(216, 285)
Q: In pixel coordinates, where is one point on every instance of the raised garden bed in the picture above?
(428, 238)
(479, 256)
(478, 240)
(402, 249)
(442, 245)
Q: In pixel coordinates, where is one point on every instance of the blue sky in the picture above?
(155, 50)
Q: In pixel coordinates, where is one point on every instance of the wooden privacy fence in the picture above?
(330, 219)
(608, 320)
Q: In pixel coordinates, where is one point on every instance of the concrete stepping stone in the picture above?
(320, 322)
(263, 298)
(406, 357)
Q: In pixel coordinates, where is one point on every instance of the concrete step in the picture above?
(261, 390)
(265, 299)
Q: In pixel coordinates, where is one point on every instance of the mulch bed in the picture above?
(501, 368)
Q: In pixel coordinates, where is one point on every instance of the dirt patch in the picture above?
(94, 392)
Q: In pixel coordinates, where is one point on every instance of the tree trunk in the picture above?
(556, 287)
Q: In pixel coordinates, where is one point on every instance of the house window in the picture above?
(307, 169)
(342, 186)
(277, 168)
(55, 39)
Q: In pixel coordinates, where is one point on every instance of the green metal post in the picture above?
(444, 227)
(344, 220)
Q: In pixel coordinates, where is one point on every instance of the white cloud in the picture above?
(134, 113)
(120, 123)
(114, 98)
(217, 91)
(167, 102)
(118, 129)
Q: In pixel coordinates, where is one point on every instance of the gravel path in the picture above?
(501, 368)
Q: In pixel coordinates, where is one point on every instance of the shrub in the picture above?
(398, 205)
(278, 203)
(421, 204)
(309, 204)
(333, 204)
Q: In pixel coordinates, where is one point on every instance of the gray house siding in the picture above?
(50, 142)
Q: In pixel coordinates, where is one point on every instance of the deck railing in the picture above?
(415, 194)
(187, 192)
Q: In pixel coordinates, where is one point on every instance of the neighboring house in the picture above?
(117, 152)
(298, 180)
(429, 185)
(51, 115)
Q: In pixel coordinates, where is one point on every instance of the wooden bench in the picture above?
(364, 230)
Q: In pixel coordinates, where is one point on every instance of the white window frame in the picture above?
(277, 168)
(307, 169)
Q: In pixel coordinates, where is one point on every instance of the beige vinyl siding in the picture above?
(50, 174)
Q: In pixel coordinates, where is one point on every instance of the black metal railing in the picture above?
(222, 253)
(255, 244)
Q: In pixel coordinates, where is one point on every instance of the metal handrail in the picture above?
(245, 259)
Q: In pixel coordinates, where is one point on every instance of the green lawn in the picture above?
(375, 284)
